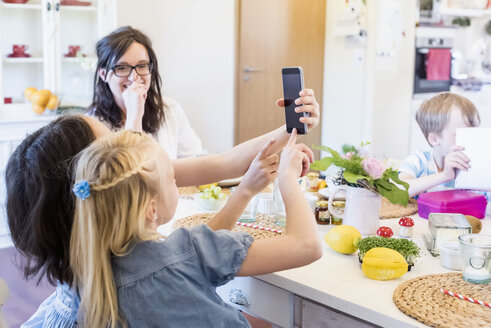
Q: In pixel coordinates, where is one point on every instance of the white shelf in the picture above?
(77, 59)
(23, 60)
(78, 8)
(27, 5)
(464, 12)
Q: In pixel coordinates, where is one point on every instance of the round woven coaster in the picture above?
(262, 220)
(422, 299)
(389, 210)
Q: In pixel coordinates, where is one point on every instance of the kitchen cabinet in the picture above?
(47, 29)
(15, 123)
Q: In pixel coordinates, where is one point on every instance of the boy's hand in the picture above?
(295, 159)
(455, 160)
(310, 106)
(262, 171)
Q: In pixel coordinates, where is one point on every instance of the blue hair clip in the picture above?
(82, 189)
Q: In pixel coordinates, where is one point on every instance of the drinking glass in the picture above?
(476, 258)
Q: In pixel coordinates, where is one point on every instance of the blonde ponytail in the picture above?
(120, 172)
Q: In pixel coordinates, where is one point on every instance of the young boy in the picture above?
(438, 118)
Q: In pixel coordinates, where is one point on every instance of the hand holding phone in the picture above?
(292, 85)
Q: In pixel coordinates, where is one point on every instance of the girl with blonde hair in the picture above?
(127, 275)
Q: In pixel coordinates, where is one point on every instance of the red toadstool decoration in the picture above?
(385, 232)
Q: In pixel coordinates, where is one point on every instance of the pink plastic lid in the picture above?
(452, 201)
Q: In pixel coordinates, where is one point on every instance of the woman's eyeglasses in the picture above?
(125, 70)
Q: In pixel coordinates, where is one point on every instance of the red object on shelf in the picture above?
(19, 50)
(15, 1)
(18, 55)
(75, 3)
(7, 100)
(72, 51)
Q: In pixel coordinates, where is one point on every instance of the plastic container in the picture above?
(450, 255)
(452, 201)
(444, 227)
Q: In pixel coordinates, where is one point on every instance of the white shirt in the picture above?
(176, 135)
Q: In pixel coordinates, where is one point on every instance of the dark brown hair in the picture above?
(109, 50)
(40, 204)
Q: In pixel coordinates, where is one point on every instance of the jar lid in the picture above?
(339, 203)
(321, 203)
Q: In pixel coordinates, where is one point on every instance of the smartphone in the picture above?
(292, 85)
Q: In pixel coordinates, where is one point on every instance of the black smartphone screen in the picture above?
(292, 85)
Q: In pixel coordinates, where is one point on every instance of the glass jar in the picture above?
(322, 215)
(312, 181)
(339, 204)
(476, 258)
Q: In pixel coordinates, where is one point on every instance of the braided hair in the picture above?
(120, 171)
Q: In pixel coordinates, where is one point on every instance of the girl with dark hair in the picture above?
(127, 93)
(40, 209)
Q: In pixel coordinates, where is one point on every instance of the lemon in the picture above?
(381, 263)
(41, 97)
(52, 102)
(28, 92)
(38, 109)
(207, 186)
(343, 239)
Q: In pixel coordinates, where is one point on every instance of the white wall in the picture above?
(344, 77)
(195, 44)
(367, 96)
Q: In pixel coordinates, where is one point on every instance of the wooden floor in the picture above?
(25, 296)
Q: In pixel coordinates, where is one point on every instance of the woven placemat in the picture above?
(422, 299)
(191, 190)
(261, 220)
(389, 210)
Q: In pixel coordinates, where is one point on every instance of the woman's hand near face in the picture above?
(134, 100)
(310, 106)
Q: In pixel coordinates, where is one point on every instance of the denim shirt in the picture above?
(57, 311)
(171, 283)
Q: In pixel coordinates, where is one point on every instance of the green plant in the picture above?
(462, 21)
(361, 170)
(408, 248)
(488, 28)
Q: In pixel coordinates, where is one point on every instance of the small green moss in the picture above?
(406, 247)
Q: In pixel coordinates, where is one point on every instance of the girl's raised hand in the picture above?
(310, 106)
(295, 159)
(263, 169)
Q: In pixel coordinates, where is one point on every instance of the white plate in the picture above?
(229, 182)
(325, 192)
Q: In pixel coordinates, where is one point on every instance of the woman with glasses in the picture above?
(127, 93)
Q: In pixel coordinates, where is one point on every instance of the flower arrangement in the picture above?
(359, 169)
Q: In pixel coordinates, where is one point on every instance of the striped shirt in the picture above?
(421, 164)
